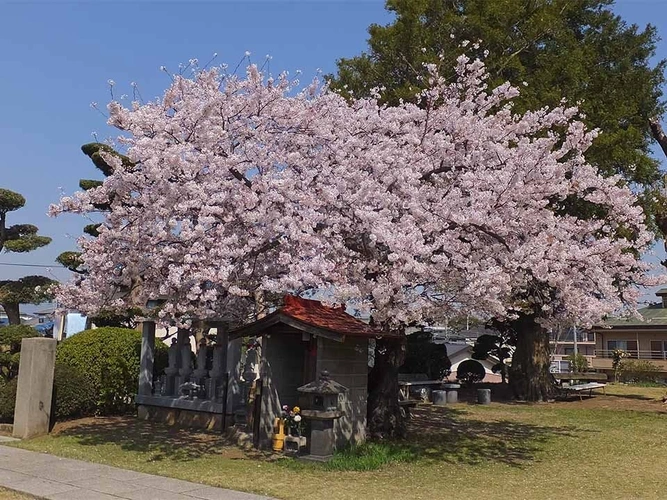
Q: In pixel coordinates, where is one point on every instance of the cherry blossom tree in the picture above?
(241, 185)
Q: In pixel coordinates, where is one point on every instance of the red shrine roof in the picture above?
(314, 317)
(314, 313)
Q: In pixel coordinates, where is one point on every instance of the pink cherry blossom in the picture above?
(410, 212)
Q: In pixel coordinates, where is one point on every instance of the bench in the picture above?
(583, 376)
(409, 380)
(406, 407)
(581, 388)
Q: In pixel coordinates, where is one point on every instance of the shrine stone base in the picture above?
(183, 418)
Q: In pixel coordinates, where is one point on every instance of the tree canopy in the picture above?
(580, 51)
(312, 191)
(242, 185)
(20, 238)
(555, 50)
(17, 238)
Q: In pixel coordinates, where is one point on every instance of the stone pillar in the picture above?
(32, 415)
(147, 358)
(234, 367)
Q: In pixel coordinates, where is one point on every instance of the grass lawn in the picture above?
(612, 446)
(13, 495)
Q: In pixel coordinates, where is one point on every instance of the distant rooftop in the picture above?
(652, 316)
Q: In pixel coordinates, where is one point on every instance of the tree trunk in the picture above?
(12, 311)
(530, 379)
(384, 415)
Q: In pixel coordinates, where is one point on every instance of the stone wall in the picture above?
(183, 418)
(347, 364)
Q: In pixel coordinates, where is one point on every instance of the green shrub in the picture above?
(639, 370)
(578, 362)
(76, 396)
(109, 359)
(10, 348)
(7, 400)
(470, 371)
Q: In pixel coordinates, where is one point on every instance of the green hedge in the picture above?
(638, 370)
(101, 364)
(470, 371)
(7, 400)
(10, 351)
(76, 395)
(10, 348)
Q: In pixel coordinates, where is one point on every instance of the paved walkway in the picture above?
(48, 476)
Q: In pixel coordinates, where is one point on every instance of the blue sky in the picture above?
(56, 57)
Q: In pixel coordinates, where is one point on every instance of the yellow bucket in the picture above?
(278, 440)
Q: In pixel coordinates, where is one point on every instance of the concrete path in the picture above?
(48, 476)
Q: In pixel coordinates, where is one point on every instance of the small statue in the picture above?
(172, 369)
(157, 387)
(251, 361)
(218, 361)
(202, 354)
(186, 360)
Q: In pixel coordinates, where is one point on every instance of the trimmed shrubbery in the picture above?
(639, 371)
(7, 400)
(470, 371)
(10, 348)
(10, 351)
(76, 395)
(98, 371)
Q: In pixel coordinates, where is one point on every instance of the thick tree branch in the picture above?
(658, 133)
(240, 177)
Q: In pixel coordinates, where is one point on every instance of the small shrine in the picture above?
(305, 346)
(303, 353)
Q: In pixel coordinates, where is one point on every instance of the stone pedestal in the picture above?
(439, 398)
(452, 396)
(294, 444)
(452, 392)
(35, 387)
(484, 396)
(321, 439)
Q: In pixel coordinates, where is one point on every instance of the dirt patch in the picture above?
(139, 435)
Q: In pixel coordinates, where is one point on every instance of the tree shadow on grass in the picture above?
(159, 441)
(640, 397)
(438, 434)
(448, 435)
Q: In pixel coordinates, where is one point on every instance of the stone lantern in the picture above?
(319, 405)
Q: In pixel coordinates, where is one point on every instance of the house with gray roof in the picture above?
(642, 338)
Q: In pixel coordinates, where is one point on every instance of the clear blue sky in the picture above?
(56, 57)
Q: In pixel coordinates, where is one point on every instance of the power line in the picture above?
(31, 265)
